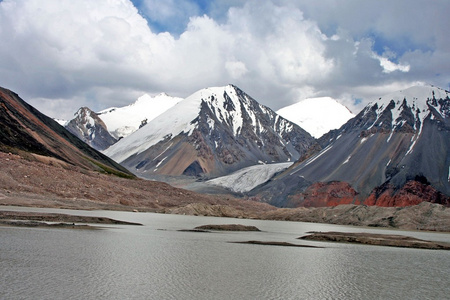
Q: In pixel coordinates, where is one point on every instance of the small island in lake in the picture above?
(272, 243)
(34, 219)
(390, 240)
(228, 227)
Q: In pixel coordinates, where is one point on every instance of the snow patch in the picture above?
(390, 136)
(156, 168)
(156, 157)
(414, 140)
(347, 160)
(318, 155)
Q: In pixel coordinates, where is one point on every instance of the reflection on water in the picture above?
(145, 262)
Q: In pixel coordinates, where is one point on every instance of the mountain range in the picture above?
(213, 132)
(42, 164)
(315, 115)
(393, 153)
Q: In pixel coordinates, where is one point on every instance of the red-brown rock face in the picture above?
(325, 194)
(412, 193)
(335, 193)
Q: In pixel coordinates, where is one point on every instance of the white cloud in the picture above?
(103, 53)
(389, 66)
(236, 69)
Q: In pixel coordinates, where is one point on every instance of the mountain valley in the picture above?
(244, 159)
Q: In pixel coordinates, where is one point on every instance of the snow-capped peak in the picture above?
(416, 101)
(125, 120)
(317, 115)
(171, 123)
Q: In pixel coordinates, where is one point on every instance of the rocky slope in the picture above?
(23, 129)
(52, 183)
(401, 137)
(213, 132)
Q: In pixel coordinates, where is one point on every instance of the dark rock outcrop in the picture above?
(228, 227)
(89, 128)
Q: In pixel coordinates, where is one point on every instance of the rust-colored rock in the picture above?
(322, 194)
(412, 193)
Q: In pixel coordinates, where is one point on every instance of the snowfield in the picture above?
(248, 178)
(317, 115)
(122, 121)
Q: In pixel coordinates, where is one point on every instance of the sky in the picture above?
(60, 55)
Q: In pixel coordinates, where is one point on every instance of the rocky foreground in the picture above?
(38, 181)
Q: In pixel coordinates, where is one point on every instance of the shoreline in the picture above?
(423, 217)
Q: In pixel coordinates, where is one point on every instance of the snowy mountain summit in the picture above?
(89, 128)
(214, 131)
(101, 130)
(122, 121)
(317, 115)
(406, 110)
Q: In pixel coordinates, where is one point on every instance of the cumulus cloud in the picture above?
(61, 54)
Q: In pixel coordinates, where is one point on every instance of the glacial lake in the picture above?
(156, 261)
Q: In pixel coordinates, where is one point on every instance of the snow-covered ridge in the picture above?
(229, 106)
(317, 115)
(168, 124)
(122, 121)
(417, 99)
(248, 178)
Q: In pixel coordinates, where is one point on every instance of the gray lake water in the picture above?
(155, 261)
